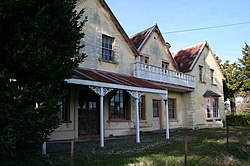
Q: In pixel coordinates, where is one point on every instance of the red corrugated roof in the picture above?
(177, 88)
(138, 38)
(114, 78)
(185, 57)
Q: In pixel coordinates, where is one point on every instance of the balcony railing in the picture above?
(158, 74)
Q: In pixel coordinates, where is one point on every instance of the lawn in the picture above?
(205, 147)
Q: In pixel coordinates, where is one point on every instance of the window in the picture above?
(118, 106)
(156, 108)
(201, 73)
(107, 48)
(212, 76)
(216, 107)
(208, 105)
(172, 108)
(142, 108)
(144, 59)
(212, 107)
(64, 106)
(164, 66)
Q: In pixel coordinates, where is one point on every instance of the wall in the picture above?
(67, 130)
(156, 51)
(208, 62)
(100, 23)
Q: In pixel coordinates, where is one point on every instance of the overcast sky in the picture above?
(174, 15)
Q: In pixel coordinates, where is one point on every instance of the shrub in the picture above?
(238, 120)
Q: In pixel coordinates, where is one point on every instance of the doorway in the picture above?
(157, 114)
(88, 114)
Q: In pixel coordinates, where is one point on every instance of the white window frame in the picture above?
(107, 46)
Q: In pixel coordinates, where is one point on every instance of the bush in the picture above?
(238, 120)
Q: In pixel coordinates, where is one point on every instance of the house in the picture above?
(127, 85)
(208, 106)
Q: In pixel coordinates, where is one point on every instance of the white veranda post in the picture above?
(101, 92)
(136, 95)
(165, 97)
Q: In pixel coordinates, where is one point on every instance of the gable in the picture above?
(213, 64)
(186, 57)
(101, 21)
(156, 51)
(141, 37)
(150, 43)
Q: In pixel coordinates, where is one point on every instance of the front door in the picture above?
(88, 114)
(156, 114)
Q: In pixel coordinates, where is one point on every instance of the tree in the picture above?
(245, 68)
(39, 47)
(232, 83)
(237, 77)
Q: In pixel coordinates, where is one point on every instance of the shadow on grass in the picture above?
(205, 147)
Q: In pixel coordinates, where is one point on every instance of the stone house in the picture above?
(127, 85)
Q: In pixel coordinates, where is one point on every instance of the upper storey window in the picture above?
(144, 59)
(164, 65)
(212, 76)
(107, 48)
(201, 73)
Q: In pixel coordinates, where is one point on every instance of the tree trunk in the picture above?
(233, 105)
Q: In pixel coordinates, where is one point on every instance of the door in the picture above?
(156, 114)
(88, 114)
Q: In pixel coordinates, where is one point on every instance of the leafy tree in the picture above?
(232, 84)
(245, 68)
(39, 46)
(237, 77)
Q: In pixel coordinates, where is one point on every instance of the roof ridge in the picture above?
(142, 31)
(185, 48)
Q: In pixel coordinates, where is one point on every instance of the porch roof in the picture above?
(91, 77)
(176, 88)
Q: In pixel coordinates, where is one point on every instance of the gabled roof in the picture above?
(187, 57)
(119, 27)
(140, 39)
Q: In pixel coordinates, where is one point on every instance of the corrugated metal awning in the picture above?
(99, 78)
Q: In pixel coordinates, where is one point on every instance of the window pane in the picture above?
(208, 108)
(155, 109)
(117, 105)
(107, 48)
(216, 107)
(142, 59)
(64, 107)
(171, 108)
(200, 73)
(142, 110)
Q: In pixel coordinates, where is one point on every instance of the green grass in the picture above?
(208, 148)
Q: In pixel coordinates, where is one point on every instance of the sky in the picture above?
(173, 15)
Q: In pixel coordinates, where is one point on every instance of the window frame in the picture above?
(158, 103)
(174, 109)
(64, 105)
(111, 55)
(214, 107)
(164, 66)
(142, 108)
(144, 59)
(212, 76)
(201, 73)
(125, 102)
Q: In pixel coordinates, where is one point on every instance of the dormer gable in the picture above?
(150, 43)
